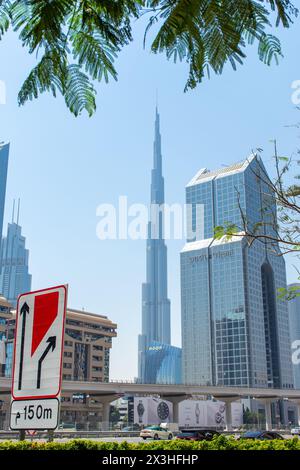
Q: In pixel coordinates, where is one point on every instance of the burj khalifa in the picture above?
(154, 342)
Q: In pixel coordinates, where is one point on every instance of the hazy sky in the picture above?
(63, 167)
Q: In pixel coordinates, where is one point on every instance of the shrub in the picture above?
(219, 443)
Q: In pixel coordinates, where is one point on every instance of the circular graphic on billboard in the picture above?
(163, 410)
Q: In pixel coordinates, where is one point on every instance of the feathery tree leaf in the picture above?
(78, 91)
(4, 16)
(46, 76)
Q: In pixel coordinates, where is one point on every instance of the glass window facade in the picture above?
(14, 272)
(9, 359)
(294, 317)
(163, 364)
(234, 328)
(4, 153)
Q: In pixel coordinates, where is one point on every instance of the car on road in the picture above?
(67, 426)
(132, 428)
(261, 435)
(156, 432)
(295, 431)
(197, 434)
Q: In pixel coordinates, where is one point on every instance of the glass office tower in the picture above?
(4, 153)
(234, 328)
(294, 317)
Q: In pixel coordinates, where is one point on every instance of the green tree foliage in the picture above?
(252, 418)
(114, 415)
(77, 41)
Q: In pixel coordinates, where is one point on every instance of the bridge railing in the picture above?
(112, 381)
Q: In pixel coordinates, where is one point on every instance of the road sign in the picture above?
(39, 344)
(34, 414)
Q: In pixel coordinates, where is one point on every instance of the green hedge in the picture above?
(220, 443)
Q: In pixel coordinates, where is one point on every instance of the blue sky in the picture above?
(63, 167)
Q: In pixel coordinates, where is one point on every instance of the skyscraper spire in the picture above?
(157, 181)
(155, 302)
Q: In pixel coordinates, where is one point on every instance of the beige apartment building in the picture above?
(88, 340)
(87, 344)
(5, 314)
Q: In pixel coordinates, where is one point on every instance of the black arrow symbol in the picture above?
(18, 416)
(24, 311)
(52, 343)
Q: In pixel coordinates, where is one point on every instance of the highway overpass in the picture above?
(108, 392)
(175, 391)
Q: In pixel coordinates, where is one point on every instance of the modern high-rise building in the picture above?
(14, 273)
(235, 329)
(155, 303)
(294, 317)
(4, 153)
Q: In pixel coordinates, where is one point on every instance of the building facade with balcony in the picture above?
(86, 355)
(5, 316)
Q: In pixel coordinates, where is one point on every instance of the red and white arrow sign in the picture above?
(39, 344)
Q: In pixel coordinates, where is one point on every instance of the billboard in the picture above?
(191, 413)
(207, 413)
(215, 414)
(237, 414)
(150, 410)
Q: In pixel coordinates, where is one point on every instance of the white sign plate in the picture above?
(34, 414)
(39, 344)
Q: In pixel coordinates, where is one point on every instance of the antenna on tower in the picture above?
(18, 211)
(13, 212)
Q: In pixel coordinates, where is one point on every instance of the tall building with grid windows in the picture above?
(294, 317)
(14, 271)
(235, 330)
(4, 153)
